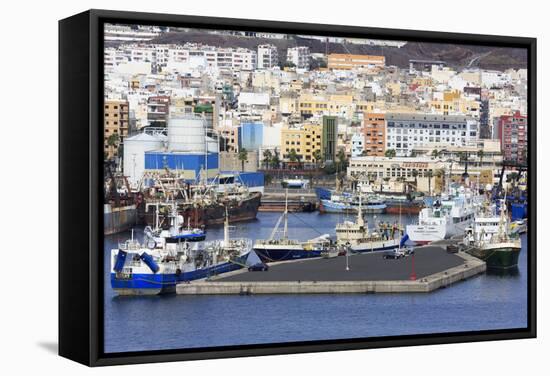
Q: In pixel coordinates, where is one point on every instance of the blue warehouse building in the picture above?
(190, 163)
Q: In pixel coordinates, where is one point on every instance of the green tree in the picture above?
(436, 153)
(275, 160)
(390, 153)
(318, 157)
(480, 155)
(342, 160)
(267, 158)
(415, 176)
(113, 141)
(268, 179)
(243, 157)
(429, 175)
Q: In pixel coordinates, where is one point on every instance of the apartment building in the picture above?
(115, 125)
(512, 132)
(304, 139)
(268, 57)
(406, 131)
(299, 56)
(374, 131)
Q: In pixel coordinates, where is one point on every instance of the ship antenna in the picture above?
(286, 215)
(226, 228)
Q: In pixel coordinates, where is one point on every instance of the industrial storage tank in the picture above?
(134, 154)
(187, 133)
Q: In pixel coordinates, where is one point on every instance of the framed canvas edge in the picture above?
(95, 345)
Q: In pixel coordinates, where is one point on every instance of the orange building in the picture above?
(349, 61)
(374, 129)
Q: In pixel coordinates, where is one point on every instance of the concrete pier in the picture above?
(368, 273)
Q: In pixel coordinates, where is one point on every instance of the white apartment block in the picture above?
(268, 56)
(357, 144)
(299, 56)
(405, 132)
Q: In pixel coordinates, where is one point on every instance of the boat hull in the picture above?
(118, 219)
(424, 234)
(165, 283)
(503, 256)
(214, 214)
(326, 206)
(274, 254)
(375, 246)
(403, 209)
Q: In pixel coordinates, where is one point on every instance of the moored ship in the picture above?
(283, 248)
(357, 237)
(202, 204)
(491, 240)
(448, 216)
(120, 204)
(157, 266)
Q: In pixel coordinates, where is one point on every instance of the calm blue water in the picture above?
(485, 302)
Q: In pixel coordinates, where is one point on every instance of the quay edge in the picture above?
(443, 279)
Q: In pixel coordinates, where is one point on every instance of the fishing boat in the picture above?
(177, 232)
(204, 203)
(157, 266)
(357, 237)
(348, 203)
(282, 248)
(448, 216)
(491, 240)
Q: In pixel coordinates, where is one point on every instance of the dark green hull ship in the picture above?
(503, 256)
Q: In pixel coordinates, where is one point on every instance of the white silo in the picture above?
(187, 134)
(134, 154)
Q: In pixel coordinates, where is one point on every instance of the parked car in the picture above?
(259, 267)
(393, 255)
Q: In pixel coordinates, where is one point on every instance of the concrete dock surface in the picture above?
(368, 273)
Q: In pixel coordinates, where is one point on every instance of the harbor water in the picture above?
(489, 301)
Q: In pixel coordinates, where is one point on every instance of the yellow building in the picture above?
(453, 103)
(305, 140)
(115, 125)
(349, 61)
(323, 105)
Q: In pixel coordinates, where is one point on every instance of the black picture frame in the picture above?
(80, 165)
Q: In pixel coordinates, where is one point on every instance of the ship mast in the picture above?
(285, 228)
(360, 220)
(226, 228)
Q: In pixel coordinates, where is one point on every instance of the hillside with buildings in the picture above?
(457, 56)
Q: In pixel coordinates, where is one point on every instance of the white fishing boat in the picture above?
(448, 216)
(357, 237)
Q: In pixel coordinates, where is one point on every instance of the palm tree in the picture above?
(415, 176)
(390, 153)
(243, 157)
(436, 153)
(440, 173)
(429, 175)
(275, 161)
(112, 142)
(267, 158)
(317, 156)
(342, 159)
(480, 155)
